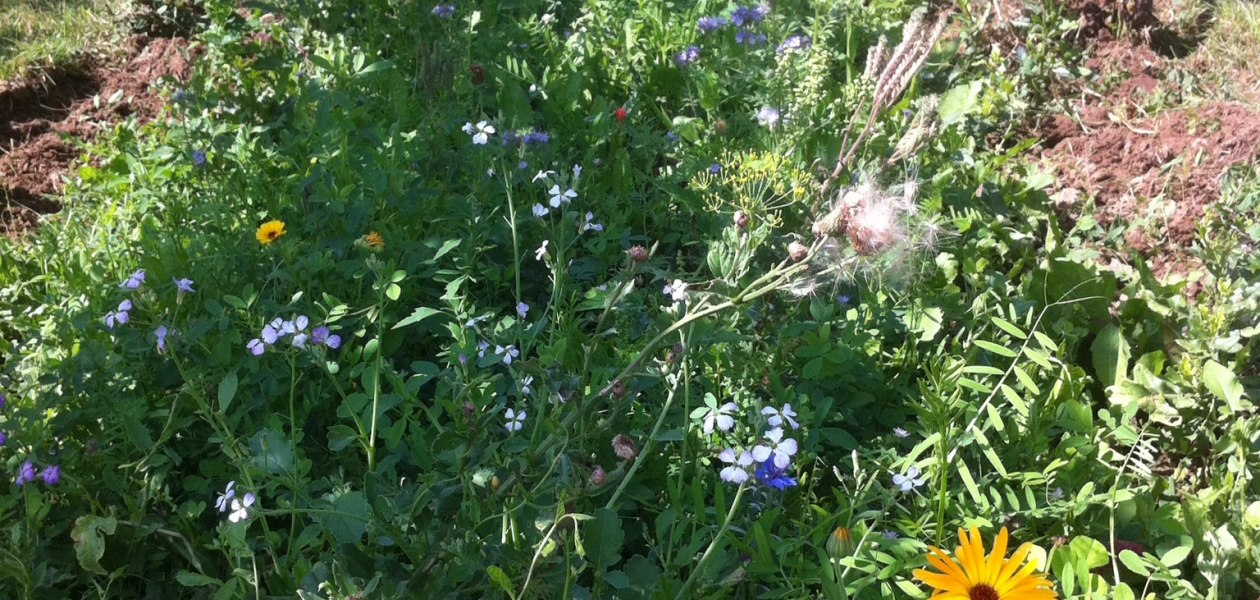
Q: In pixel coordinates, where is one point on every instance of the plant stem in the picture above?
(704, 558)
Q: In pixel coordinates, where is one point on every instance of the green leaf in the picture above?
(393, 291)
(970, 483)
(89, 540)
(1111, 356)
(272, 452)
(996, 349)
(501, 580)
(1134, 563)
(349, 519)
(381, 65)
(227, 390)
(603, 539)
(1009, 327)
(1175, 556)
(190, 579)
(959, 102)
(1223, 384)
(416, 316)
(1123, 592)
(643, 573)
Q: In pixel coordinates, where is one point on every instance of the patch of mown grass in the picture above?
(1225, 60)
(36, 35)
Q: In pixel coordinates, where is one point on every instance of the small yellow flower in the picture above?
(374, 241)
(973, 576)
(270, 231)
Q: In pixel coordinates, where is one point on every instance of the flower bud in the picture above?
(598, 476)
(797, 251)
(638, 254)
(741, 219)
(478, 73)
(619, 389)
(495, 483)
(624, 447)
(719, 126)
(840, 543)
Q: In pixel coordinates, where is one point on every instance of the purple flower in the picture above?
(710, 24)
(715, 168)
(184, 286)
(270, 335)
(510, 138)
(51, 475)
(750, 38)
(774, 477)
(540, 211)
(444, 11)
(890, 535)
(522, 309)
(523, 165)
(536, 138)
(333, 341)
(688, 56)
(160, 333)
(198, 158)
(671, 137)
(299, 340)
(256, 347)
(590, 225)
(3, 438)
(794, 43)
(26, 474)
(745, 16)
(134, 282)
(3, 398)
(319, 335)
(225, 498)
(120, 316)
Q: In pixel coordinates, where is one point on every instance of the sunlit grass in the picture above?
(37, 35)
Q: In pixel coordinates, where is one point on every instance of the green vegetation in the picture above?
(40, 34)
(492, 304)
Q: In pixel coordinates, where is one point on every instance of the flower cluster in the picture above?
(711, 24)
(768, 459)
(296, 331)
(794, 43)
(239, 507)
(688, 56)
(444, 11)
(50, 475)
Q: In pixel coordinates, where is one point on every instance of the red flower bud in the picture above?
(621, 113)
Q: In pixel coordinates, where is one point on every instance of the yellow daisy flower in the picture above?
(270, 231)
(973, 576)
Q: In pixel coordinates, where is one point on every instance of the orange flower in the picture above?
(973, 576)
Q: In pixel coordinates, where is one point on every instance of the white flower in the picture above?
(526, 384)
(547, 19)
(541, 251)
(540, 211)
(777, 416)
(738, 471)
(577, 172)
(720, 418)
(240, 508)
(677, 291)
(558, 197)
(781, 449)
(515, 420)
(543, 175)
(900, 432)
(910, 480)
(480, 133)
(509, 353)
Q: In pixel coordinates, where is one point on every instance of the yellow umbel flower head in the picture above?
(974, 576)
(270, 231)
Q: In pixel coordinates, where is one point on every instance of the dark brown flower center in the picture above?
(983, 592)
(272, 234)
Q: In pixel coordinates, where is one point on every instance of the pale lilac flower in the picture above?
(51, 475)
(443, 11)
(226, 497)
(256, 347)
(900, 432)
(541, 175)
(778, 416)
(710, 24)
(1056, 494)
(720, 418)
(270, 335)
(577, 172)
(677, 291)
(782, 450)
(891, 535)
(910, 480)
(515, 420)
(794, 43)
(768, 116)
(688, 56)
(134, 282)
(333, 341)
(184, 286)
(540, 211)
(588, 225)
(240, 508)
(120, 316)
(748, 15)
(526, 384)
(509, 353)
(750, 38)
(299, 340)
(481, 348)
(301, 323)
(160, 333)
(737, 472)
(522, 309)
(558, 197)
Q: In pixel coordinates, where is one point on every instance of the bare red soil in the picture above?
(41, 121)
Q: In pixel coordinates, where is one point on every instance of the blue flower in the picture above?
(522, 165)
(688, 56)
(750, 38)
(522, 309)
(3, 438)
(160, 333)
(774, 477)
(510, 138)
(671, 137)
(715, 168)
(749, 15)
(710, 24)
(198, 158)
(50, 475)
(536, 138)
(134, 282)
(444, 11)
(120, 316)
(256, 347)
(184, 286)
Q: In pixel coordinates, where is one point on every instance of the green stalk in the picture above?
(704, 558)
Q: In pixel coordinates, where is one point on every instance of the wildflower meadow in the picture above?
(611, 299)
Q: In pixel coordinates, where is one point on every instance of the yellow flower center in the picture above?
(983, 592)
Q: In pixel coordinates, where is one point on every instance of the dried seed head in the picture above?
(638, 254)
(873, 228)
(798, 251)
(598, 476)
(719, 126)
(741, 219)
(624, 447)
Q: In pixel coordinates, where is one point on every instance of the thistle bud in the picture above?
(798, 251)
(840, 543)
(624, 447)
(741, 219)
(598, 476)
(719, 126)
(619, 389)
(638, 254)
